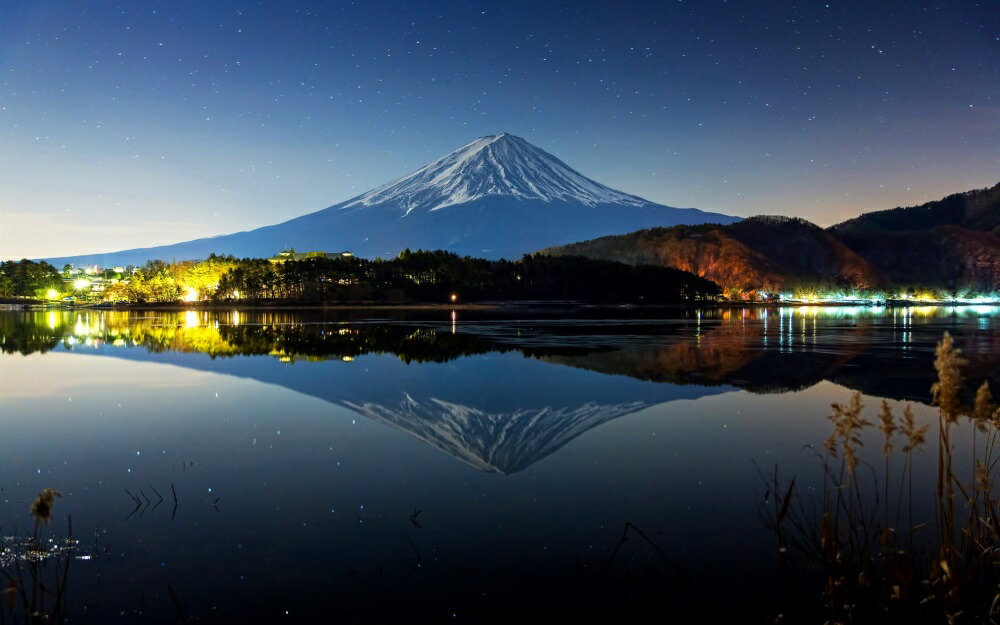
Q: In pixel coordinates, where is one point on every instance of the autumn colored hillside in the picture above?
(760, 254)
(950, 246)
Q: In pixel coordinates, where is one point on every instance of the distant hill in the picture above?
(760, 253)
(972, 210)
(951, 244)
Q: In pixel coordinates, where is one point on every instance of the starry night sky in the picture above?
(127, 124)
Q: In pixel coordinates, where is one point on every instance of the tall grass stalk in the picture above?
(35, 579)
(880, 561)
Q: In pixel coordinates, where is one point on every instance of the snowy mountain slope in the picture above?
(497, 197)
(494, 442)
(494, 165)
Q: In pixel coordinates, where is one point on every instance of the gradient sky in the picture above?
(126, 124)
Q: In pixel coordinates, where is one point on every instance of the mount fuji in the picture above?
(497, 197)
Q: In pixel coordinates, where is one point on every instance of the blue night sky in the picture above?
(138, 123)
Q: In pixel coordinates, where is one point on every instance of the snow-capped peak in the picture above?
(494, 165)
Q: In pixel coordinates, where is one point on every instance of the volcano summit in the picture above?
(497, 197)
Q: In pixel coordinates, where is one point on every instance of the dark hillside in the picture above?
(973, 210)
(951, 246)
(766, 254)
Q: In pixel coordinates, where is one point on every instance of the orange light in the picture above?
(454, 297)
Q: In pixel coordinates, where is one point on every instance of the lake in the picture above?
(460, 466)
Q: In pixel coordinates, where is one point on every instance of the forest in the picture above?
(438, 276)
(412, 277)
(26, 278)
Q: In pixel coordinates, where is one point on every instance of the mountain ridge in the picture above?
(952, 244)
(976, 209)
(498, 196)
(761, 253)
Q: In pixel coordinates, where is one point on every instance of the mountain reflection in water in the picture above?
(760, 350)
(565, 424)
(502, 422)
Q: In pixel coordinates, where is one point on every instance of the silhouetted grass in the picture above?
(880, 561)
(36, 571)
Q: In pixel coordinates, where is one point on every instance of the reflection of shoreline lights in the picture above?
(980, 300)
(793, 313)
(783, 328)
(843, 311)
(981, 310)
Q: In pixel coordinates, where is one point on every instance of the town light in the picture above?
(80, 284)
(52, 294)
(454, 297)
(190, 294)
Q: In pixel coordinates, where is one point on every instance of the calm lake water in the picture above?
(478, 465)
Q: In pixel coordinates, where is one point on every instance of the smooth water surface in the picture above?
(445, 466)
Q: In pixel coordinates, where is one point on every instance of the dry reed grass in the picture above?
(35, 581)
(879, 562)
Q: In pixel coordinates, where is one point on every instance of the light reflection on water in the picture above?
(302, 445)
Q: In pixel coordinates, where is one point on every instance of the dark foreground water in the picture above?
(452, 467)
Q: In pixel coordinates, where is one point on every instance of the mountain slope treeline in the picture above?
(952, 243)
(951, 246)
(972, 210)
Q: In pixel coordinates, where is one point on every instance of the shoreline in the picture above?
(488, 305)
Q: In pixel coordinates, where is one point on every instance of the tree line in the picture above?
(26, 278)
(159, 281)
(421, 276)
(438, 275)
